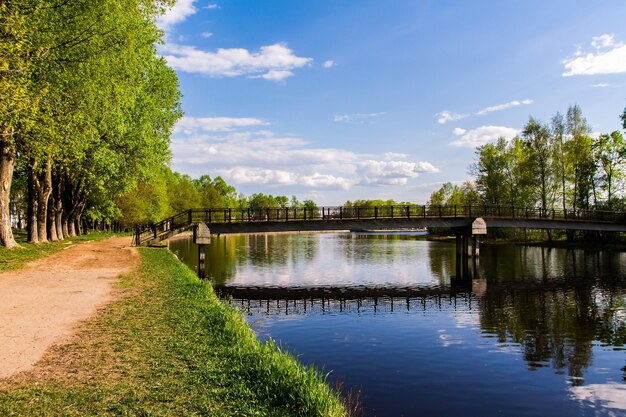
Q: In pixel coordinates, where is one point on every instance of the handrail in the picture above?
(188, 218)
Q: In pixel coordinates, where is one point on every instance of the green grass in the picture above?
(169, 347)
(16, 258)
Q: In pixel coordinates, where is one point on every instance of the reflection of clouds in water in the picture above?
(337, 259)
(466, 319)
(605, 398)
(447, 340)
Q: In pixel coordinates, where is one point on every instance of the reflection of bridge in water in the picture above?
(468, 294)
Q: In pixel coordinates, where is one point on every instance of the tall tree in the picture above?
(610, 151)
(537, 137)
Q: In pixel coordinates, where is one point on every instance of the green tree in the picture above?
(610, 152)
(537, 137)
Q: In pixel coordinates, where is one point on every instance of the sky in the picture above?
(336, 100)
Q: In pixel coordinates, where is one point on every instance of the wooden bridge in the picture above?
(457, 218)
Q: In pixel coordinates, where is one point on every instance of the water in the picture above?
(539, 332)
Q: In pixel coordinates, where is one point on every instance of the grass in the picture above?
(168, 347)
(16, 258)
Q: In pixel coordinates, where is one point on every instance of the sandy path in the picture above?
(44, 303)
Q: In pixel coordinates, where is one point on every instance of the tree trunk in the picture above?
(31, 226)
(57, 203)
(44, 189)
(70, 227)
(52, 230)
(7, 163)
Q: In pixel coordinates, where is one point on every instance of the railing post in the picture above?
(267, 214)
(469, 210)
(358, 213)
(248, 214)
(424, 211)
(440, 211)
(392, 212)
(376, 212)
(513, 211)
(210, 210)
(305, 214)
(552, 214)
(323, 213)
(286, 214)
(408, 212)
(341, 213)
(190, 219)
(230, 217)
(455, 211)
(526, 212)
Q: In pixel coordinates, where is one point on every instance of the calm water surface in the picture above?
(538, 332)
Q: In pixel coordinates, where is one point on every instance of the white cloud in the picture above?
(602, 41)
(206, 35)
(277, 75)
(459, 131)
(446, 116)
(178, 13)
(358, 117)
(328, 64)
(273, 62)
(215, 124)
(243, 175)
(211, 6)
(600, 85)
(482, 135)
(391, 172)
(388, 156)
(504, 106)
(243, 151)
(609, 58)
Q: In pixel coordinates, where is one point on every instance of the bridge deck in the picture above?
(224, 221)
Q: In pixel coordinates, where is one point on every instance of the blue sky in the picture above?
(344, 100)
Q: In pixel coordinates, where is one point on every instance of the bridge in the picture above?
(457, 218)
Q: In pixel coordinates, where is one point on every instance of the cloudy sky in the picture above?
(341, 100)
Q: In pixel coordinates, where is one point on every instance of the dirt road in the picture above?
(45, 303)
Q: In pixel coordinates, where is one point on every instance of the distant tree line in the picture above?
(555, 165)
(169, 193)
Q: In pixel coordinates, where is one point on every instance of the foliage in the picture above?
(553, 165)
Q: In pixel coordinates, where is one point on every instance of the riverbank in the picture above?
(167, 347)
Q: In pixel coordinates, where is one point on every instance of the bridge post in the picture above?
(201, 237)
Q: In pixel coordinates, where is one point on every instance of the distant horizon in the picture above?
(344, 101)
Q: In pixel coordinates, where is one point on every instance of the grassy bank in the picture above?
(168, 347)
(11, 259)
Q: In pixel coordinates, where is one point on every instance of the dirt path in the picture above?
(45, 303)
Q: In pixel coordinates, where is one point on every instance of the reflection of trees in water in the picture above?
(556, 327)
(220, 256)
(265, 249)
(577, 302)
(442, 260)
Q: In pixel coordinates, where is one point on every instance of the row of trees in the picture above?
(86, 111)
(169, 193)
(550, 165)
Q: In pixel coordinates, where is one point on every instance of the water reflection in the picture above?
(377, 309)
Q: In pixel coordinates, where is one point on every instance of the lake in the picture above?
(536, 331)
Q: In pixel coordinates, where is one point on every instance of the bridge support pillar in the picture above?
(201, 237)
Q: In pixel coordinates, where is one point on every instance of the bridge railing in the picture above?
(327, 213)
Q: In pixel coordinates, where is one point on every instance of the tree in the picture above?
(610, 151)
(557, 131)
(489, 172)
(537, 137)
